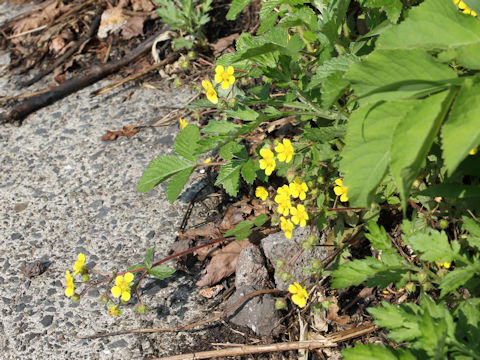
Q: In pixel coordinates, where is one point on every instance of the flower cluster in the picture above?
(299, 294)
(79, 268)
(182, 123)
(298, 214)
(285, 152)
(464, 7)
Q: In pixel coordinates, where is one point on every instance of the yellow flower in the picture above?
(285, 151)
(182, 123)
(122, 288)
(283, 200)
(70, 284)
(299, 215)
(445, 264)
(207, 160)
(473, 151)
(79, 264)
(300, 295)
(298, 189)
(464, 7)
(113, 310)
(287, 227)
(268, 162)
(341, 190)
(224, 76)
(210, 91)
(261, 193)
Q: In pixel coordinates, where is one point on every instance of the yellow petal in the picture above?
(218, 78)
(219, 70)
(225, 85)
(299, 300)
(339, 182)
(129, 277)
(230, 70)
(116, 291)
(119, 280)
(126, 296)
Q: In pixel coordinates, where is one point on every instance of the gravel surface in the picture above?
(64, 191)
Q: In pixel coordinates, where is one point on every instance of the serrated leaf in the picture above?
(177, 183)
(161, 271)
(367, 151)
(220, 127)
(324, 134)
(229, 177)
(453, 191)
(434, 25)
(303, 16)
(332, 66)
(243, 113)
(268, 22)
(412, 139)
(356, 272)
(148, 257)
(210, 143)
(249, 171)
(398, 74)
(378, 237)
(433, 246)
(241, 231)
(402, 320)
(461, 131)
(393, 8)
(236, 8)
(233, 149)
(260, 219)
(377, 352)
(456, 278)
(135, 267)
(159, 170)
(473, 228)
(332, 89)
(186, 142)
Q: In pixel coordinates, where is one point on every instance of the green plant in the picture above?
(189, 19)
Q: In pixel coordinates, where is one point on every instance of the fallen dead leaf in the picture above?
(211, 291)
(142, 5)
(133, 27)
(129, 130)
(223, 263)
(222, 44)
(37, 19)
(112, 20)
(333, 315)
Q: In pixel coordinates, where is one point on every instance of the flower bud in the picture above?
(286, 276)
(280, 304)
(85, 278)
(421, 276)
(140, 308)
(232, 102)
(185, 64)
(104, 299)
(191, 54)
(427, 286)
(280, 263)
(75, 298)
(443, 224)
(317, 265)
(177, 83)
(326, 304)
(410, 287)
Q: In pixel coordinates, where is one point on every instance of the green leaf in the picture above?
(229, 177)
(461, 131)
(324, 134)
(210, 143)
(367, 151)
(233, 149)
(402, 320)
(412, 139)
(241, 231)
(378, 237)
(182, 43)
(330, 67)
(161, 271)
(434, 25)
(333, 88)
(471, 226)
(159, 170)
(236, 8)
(433, 245)
(243, 113)
(268, 22)
(457, 277)
(249, 171)
(453, 191)
(393, 8)
(260, 219)
(377, 352)
(355, 272)
(148, 258)
(220, 127)
(398, 74)
(177, 183)
(135, 267)
(303, 16)
(185, 143)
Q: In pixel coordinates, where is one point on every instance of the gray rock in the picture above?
(251, 268)
(257, 313)
(277, 246)
(47, 320)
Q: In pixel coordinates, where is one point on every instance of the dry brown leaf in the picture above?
(208, 232)
(129, 130)
(142, 5)
(333, 315)
(222, 44)
(35, 20)
(112, 20)
(133, 27)
(223, 263)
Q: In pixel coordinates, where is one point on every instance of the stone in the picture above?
(277, 247)
(251, 268)
(47, 320)
(257, 313)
